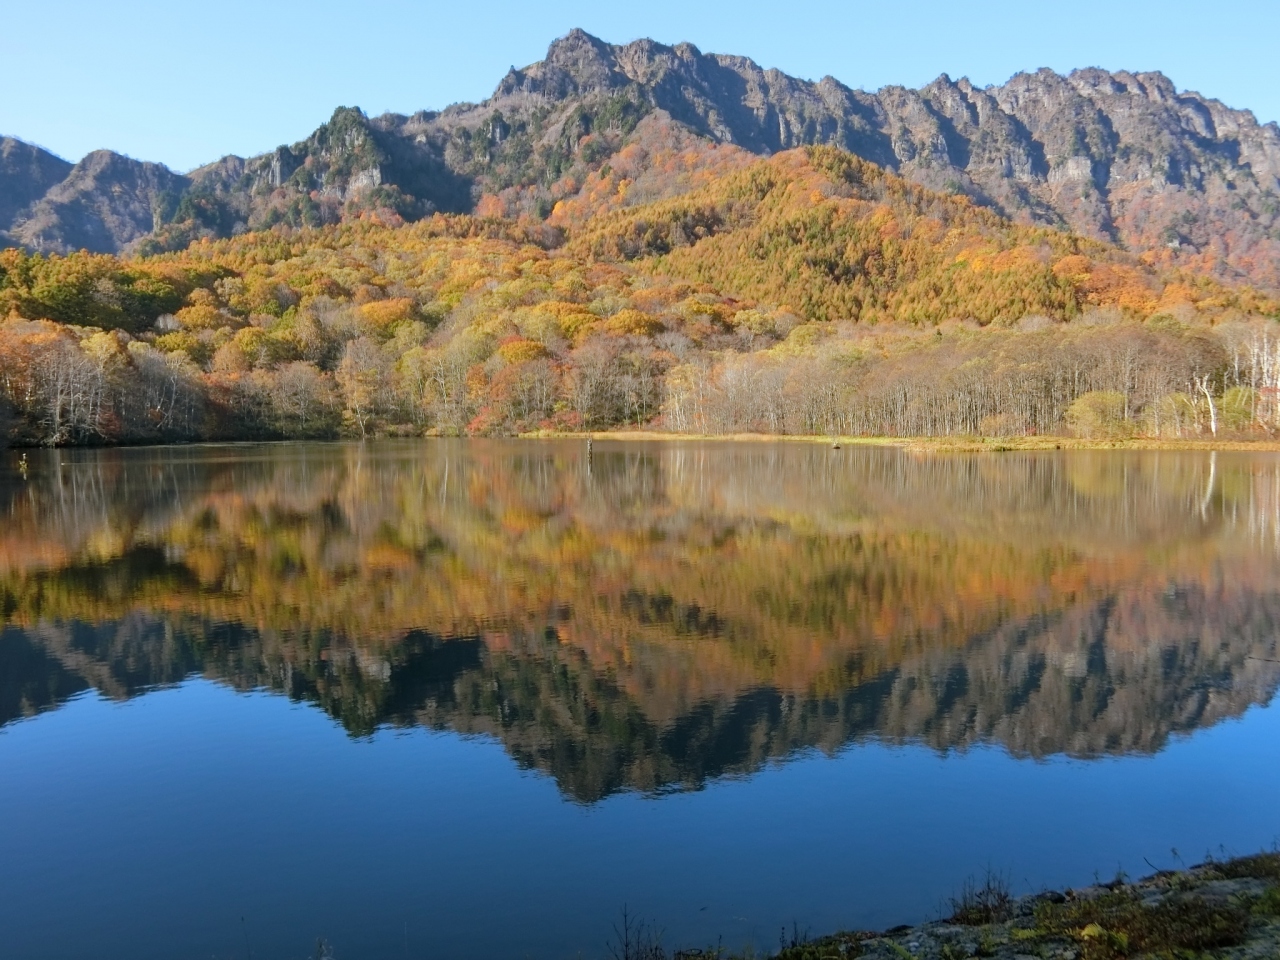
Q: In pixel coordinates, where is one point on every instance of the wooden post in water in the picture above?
(588, 456)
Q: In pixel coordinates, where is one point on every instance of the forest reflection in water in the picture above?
(658, 614)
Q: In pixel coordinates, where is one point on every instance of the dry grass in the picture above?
(1119, 924)
(1260, 866)
(930, 444)
(982, 903)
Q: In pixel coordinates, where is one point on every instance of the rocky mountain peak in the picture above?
(575, 63)
(27, 173)
(1119, 155)
(106, 201)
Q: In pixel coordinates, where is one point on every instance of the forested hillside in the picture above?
(808, 292)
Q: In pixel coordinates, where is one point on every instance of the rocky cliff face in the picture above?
(27, 173)
(102, 204)
(350, 165)
(1120, 156)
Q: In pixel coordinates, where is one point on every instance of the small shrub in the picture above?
(1237, 407)
(980, 904)
(1174, 415)
(636, 940)
(1099, 415)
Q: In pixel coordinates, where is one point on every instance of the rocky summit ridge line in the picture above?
(1120, 156)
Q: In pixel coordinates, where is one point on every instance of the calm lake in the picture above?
(468, 699)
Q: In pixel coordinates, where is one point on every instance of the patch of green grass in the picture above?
(1267, 905)
(986, 945)
(828, 948)
(1119, 924)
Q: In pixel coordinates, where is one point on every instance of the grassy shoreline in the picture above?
(955, 444)
(1218, 910)
(928, 444)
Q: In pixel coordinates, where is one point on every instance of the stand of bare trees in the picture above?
(68, 385)
(65, 389)
(1117, 379)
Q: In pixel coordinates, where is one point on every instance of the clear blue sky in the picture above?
(185, 83)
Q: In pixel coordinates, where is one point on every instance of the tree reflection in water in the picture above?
(674, 613)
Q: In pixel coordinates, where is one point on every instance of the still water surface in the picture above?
(468, 699)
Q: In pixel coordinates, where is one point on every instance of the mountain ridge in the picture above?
(1118, 156)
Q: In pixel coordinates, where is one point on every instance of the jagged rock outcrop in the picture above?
(1123, 156)
(106, 202)
(27, 173)
(350, 165)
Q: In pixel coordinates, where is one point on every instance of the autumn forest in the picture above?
(670, 284)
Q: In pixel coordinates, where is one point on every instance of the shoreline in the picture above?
(957, 444)
(1227, 910)
(928, 444)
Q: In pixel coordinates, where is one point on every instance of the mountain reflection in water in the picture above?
(663, 613)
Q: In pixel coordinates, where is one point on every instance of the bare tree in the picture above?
(303, 400)
(1202, 384)
(363, 375)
